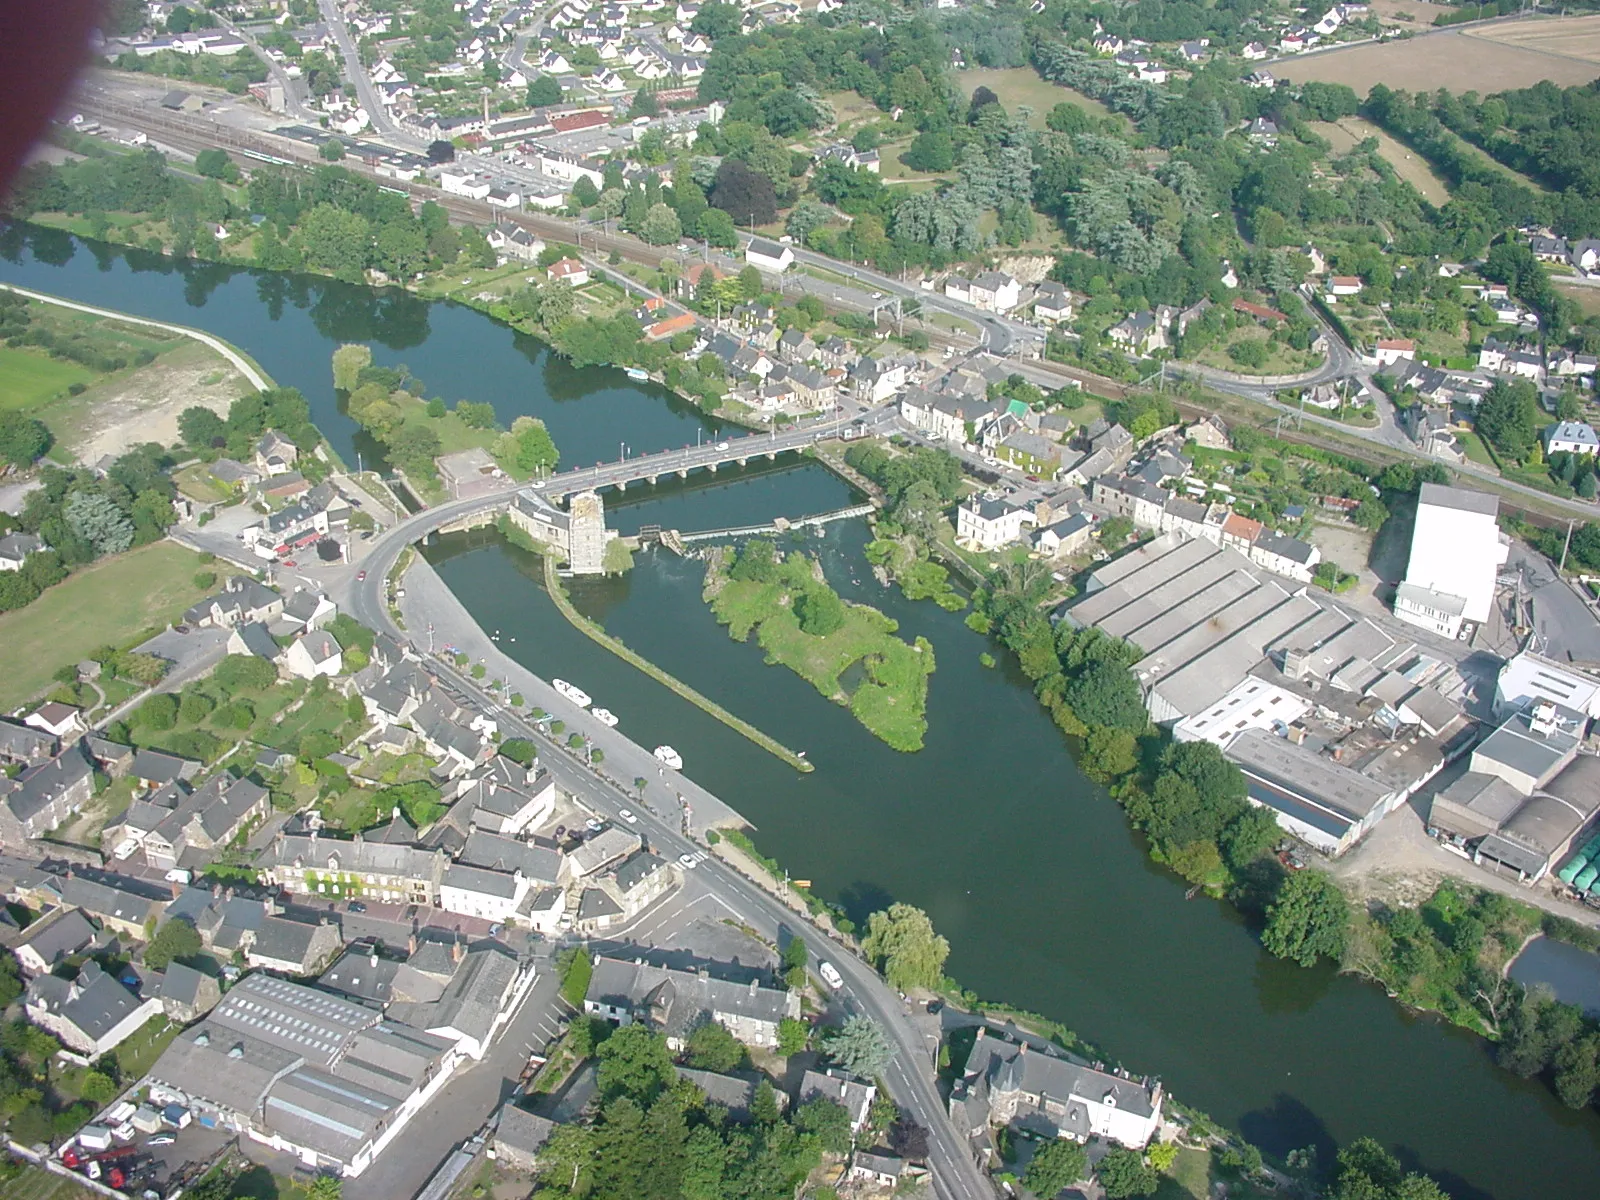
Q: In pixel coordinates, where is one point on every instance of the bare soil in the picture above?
(1458, 60)
(143, 405)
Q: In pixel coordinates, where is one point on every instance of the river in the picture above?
(1048, 900)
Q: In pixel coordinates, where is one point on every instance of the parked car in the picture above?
(356, 906)
(830, 975)
(161, 1139)
(627, 815)
(594, 825)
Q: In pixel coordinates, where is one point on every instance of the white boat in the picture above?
(669, 756)
(576, 694)
(606, 717)
(637, 374)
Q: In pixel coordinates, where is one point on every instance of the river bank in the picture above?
(1027, 867)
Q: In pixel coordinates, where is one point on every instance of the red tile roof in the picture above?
(1242, 528)
(672, 325)
(583, 120)
(1259, 311)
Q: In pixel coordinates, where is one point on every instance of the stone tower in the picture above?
(586, 551)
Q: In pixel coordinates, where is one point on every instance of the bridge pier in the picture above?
(652, 479)
(683, 472)
(622, 485)
(772, 455)
(743, 461)
(713, 467)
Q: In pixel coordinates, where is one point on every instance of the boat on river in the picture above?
(669, 756)
(571, 692)
(638, 373)
(606, 717)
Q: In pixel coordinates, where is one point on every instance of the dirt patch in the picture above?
(1451, 59)
(1408, 15)
(143, 406)
(1344, 135)
(1029, 268)
(1576, 38)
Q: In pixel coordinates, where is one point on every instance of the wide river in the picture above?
(1048, 900)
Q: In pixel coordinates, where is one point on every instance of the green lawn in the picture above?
(196, 482)
(35, 1183)
(139, 1052)
(1472, 445)
(1024, 85)
(105, 603)
(890, 690)
(31, 378)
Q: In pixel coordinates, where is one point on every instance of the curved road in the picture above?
(257, 380)
(911, 1074)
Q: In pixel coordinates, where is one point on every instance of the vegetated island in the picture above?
(803, 624)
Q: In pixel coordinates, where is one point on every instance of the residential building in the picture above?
(1392, 350)
(275, 454)
(292, 947)
(125, 906)
(45, 795)
(519, 1136)
(1006, 1084)
(674, 1002)
(1052, 303)
(52, 939)
(1345, 285)
(483, 988)
(186, 994)
(58, 720)
(314, 654)
(1457, 550)
(15, 548)
(949, 417)
(1139, 332)
(768, 256)
(241, 601)
(312, 865)
(1571, 437)
(26, 744)
(1065, 537)
(91, 1014)
(989, 524)
(734, 1092)
(855, 1096)
(882, 1167)
(995, 291)
(305, 1072)
(568, 271)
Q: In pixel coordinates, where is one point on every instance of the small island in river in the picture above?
(803, 624)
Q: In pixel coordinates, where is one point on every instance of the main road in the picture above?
(911, 1075)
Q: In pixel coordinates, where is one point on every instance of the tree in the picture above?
(931, 150)
(96, 518)
(793, 1036)
(796, 954)
(804, 218)
(744, 194)
(712, 1048)
(98, 1088)
(1370, 514)
(543, 90)
(820, 611)
(176, 940)
(201, 429)
(336, 240)
(908, 1139)
(1056, 1165)
(717, 21)
(349, 360)
(661, 227)
(331, 150)
(634, 1062)
(325, 1187)
(158, 713)
(859, 1046)
(527, 447)
(716, 227)
(1577, 1067)
(1123, 1173)
(215, 164)
(1114, 531)
(1308, 919)
(1508, 418)
(22, 439)
(901, 942)
(643, 105)
(1106, 694)
(828, 1121)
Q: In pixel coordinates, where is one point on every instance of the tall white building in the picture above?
(1457, 551)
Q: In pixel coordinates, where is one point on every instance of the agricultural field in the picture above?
(1459, 61)
(1586, 298)
(1023, 85)
(1347, 132)
(1415, 15)
(1576, 38)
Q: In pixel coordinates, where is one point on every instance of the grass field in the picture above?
(35, 1183)
(1024, 85)
(1586, 298)
(1559, 37)
(1454, 59)
(1346, 133)
(105, 603)
(31, 378)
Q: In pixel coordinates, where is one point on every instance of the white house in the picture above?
(15, 548)
(1457, 551)
(90, 1014)
(1345, 285)
(569, 271)
(1392, 350)
(317, 653)
(1052, 303)
(989, 524)
(995, 291)
(768, 256)
(465, 183)
(1573, 437)
(475, 892)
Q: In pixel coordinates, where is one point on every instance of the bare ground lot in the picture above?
(1345, 133)
(1453, 59)
(143, 405)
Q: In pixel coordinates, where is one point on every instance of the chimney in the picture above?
(227, 893)
(216, 891)
(372, 961)
(754, 986)
(455, 951)
(1022, 1048)
(411, 945)
(394, 813)
(982, 1030)
(175, 887)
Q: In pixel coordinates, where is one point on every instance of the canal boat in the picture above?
(576, 694)
(669, 756)
(606, 717)
(638, 373)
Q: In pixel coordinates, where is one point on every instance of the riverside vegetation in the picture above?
(803, 624)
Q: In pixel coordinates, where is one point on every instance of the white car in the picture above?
(830, 975)
(160, 1139)
(594, 825)
(627, 815)
(689, 861)
(722, 445)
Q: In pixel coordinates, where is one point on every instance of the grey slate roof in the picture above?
(475, 879)
(54, 937)
(522, 1131)
(94, 1002)
(493, 852)
(686, 996)
(181, 984)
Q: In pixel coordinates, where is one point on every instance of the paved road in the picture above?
(911, 1076)
(357, 74)
(293, 102)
